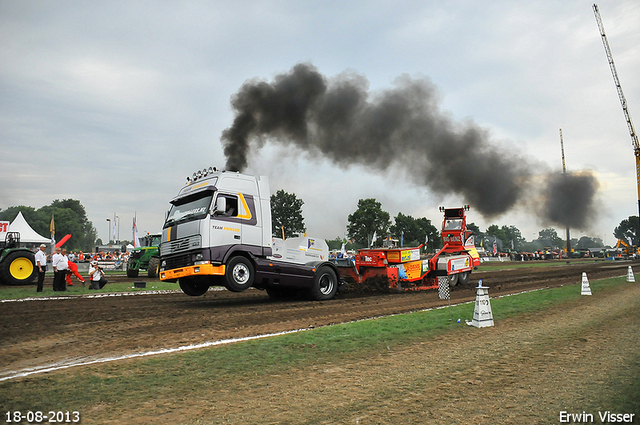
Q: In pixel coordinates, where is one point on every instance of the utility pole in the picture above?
(564, 174)
(623, 102)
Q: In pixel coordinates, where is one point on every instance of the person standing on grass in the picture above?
(60, 265)
(96, 275)
(41, 264)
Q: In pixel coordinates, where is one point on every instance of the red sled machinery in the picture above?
(407, 269)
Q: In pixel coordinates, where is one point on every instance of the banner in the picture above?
(52, 229)
(136, 241)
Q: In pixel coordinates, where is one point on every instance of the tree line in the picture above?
(69, 217)
(370, 219)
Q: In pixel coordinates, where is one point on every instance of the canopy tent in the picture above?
(27, 234)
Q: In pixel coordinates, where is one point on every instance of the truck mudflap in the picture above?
(195, 270)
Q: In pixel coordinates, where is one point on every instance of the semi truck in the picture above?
(218, 233)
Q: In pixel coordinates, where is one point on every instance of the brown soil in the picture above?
(40, 333)
(499, 375)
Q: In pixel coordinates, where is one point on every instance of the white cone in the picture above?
(586, 289)
(482, 315)
(630, 276)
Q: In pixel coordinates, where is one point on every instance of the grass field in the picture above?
(156, 383)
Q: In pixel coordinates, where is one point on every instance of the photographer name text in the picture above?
(589, 418)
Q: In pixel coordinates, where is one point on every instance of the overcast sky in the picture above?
(115, 103)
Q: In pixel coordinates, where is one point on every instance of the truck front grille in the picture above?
(177, 261)
(179, 245)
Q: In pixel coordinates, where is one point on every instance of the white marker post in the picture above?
(630, 276)
(586, 289)
(482, 316)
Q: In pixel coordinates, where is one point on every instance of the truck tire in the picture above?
(154, 266)
(132, 272)
(463, 278)
(239, 275)
(18, 268)
(193, 286)
(453, 280)
(325, 284)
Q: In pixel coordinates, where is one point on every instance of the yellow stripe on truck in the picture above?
(199, 270)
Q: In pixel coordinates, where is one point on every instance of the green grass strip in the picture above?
(21, 292)
(132, 381)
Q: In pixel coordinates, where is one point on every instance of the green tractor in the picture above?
(146, 257)
(17, 265)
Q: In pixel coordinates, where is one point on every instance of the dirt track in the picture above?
(39, 333)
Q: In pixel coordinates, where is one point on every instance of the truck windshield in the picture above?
(190, 208)
(453, 224)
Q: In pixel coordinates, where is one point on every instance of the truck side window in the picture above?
(232, 206)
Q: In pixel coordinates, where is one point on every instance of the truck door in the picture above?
(225, 228)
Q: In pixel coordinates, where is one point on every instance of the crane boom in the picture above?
(612, 65)
(623, 102)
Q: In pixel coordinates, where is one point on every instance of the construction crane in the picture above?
(623, 101)
(564, 174)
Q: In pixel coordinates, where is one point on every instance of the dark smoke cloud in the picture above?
(401, 127)
(568, 199)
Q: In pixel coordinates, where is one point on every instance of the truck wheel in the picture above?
(325, 284)
(132, 272)
(18, 268)
(463, 278)
(239, 275)
(154, 266)
(193, 287)
(453, 280)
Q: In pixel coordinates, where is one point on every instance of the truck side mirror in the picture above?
(221, 205)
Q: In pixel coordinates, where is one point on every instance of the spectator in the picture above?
(60, 267)
(41, 263)
(96, 275)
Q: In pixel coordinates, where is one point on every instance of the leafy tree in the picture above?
(512, 233)
(286, 212)
(549, 238)
(587, 242)
(628, 228)
(368, 219)
(475, 229)
(496, 232)
(414, 231)
(69, 215)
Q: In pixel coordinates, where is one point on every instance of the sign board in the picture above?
(4, 228)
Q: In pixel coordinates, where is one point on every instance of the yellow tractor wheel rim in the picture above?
(21, 268)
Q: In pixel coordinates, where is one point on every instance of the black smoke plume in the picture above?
(402, 127)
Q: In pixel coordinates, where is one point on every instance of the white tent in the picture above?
(27, 234)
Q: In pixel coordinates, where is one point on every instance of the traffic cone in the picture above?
(630, 276)
(482, 316)
(586, 289)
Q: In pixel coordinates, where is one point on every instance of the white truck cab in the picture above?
(218, 233)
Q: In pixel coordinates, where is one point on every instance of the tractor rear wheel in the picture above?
(18, 268)
(154, 266)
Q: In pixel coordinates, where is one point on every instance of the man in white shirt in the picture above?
(60, 265)
(41, 264)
